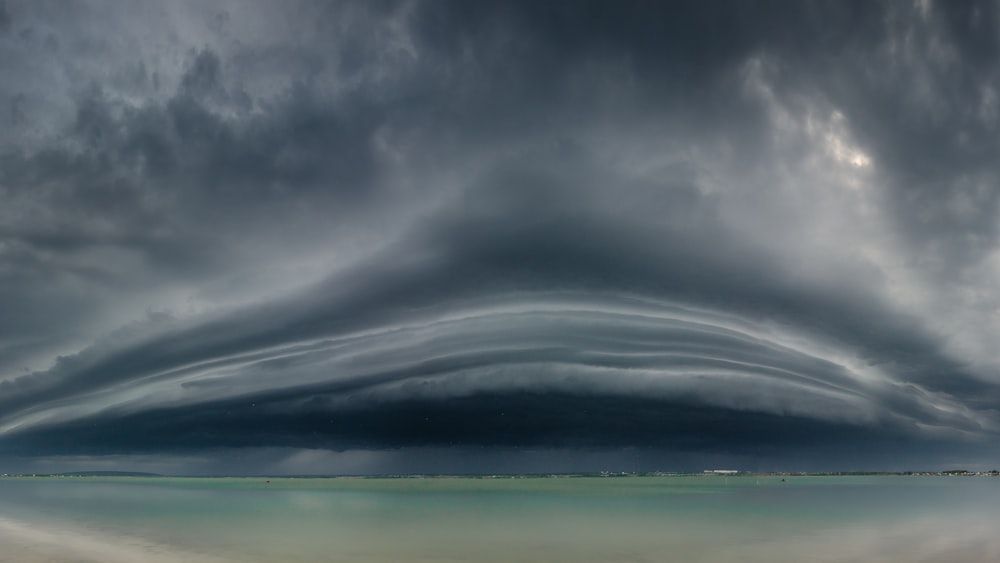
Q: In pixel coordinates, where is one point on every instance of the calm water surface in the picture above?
(822, 519)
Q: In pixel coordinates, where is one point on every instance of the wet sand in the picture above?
(920, 542)
(23, 542)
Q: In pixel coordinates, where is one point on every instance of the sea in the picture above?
(500, 519)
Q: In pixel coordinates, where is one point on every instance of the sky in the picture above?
(442, 236)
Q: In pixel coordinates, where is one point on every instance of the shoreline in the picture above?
(599, 475)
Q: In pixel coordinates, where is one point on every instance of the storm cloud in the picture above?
(556, 233)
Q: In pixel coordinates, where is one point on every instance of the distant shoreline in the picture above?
(602, 474)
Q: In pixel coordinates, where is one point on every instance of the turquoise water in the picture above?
(503, 519)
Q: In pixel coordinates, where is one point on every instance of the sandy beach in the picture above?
(24, 542)
(921, 542)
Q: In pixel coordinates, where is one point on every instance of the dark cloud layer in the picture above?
(758, 231)
(521, 419)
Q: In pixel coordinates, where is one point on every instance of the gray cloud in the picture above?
(756, 230)
(4, 17)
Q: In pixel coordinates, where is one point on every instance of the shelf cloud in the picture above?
(550, 235)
